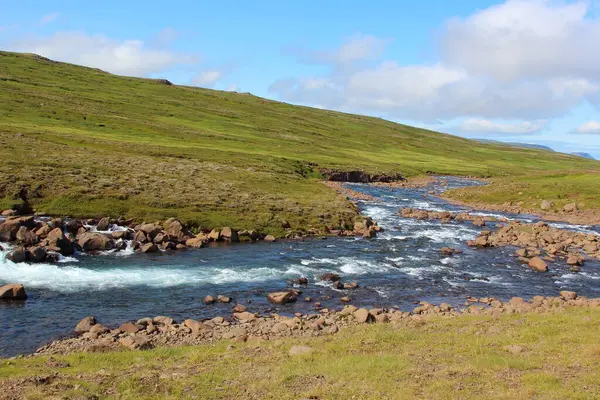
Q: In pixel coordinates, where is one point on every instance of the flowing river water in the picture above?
(403, 265)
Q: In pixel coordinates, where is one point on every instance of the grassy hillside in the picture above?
(88, 143)
(526, 356)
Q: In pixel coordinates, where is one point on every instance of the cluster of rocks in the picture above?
(44, 241)
(540, 243)
(242, 325)
(367, 228)
(446, 216)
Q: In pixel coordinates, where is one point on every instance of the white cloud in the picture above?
(523, 59)
(48, 18)
(124, 57)
(590, 127)
(475, 125)
(526, 38)
(233, 88)
(207, 78)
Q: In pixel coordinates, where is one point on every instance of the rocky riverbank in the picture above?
(538, 242)
(243, 325)
(38, 240)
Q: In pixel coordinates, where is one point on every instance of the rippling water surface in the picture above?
(402, 265)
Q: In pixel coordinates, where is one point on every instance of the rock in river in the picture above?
(537, 264)
(14, 291)
(282, 297)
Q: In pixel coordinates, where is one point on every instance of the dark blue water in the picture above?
(401, 266)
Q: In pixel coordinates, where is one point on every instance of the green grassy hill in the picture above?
(87, 143)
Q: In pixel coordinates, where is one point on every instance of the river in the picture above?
(403, 265)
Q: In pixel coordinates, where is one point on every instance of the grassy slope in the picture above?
(462, 357)
(99, 144)
(560, 188)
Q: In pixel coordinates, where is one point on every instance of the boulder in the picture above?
(163, 320)
(8, 213)
(37, 254)
(239, 308)
(27, 236)
(10, 227)
(223, 299)
(129, 327)
(14, 291)
(56, 239)
(447, 251)
(270, 238)
(103, 224)
(136, 342)
(214, 235)
(99, 329)
(149, 248)
(522, 253)
(120, 235)
(140, 237)
(92, 241)
(209, 300)
(85, 325)
(282, 297)
(244, 316)
(350, 285)
(575, 259)
(537, 264)
(565, 294)
(195, 242)
(175, 231)
(478, 222)
(362, 316)
(17, 255)
(229, 234)
(43, 231)
(571, 207)
(546, 205)
(150, 229)
(194, 326)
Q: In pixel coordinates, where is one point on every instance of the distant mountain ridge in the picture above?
(534, 146)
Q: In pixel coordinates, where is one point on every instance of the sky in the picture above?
(518, 70)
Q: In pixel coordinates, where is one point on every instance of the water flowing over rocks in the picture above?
(359, 176)
(41, 240)
(245, 326)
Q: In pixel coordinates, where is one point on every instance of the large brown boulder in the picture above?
(37, 254)
(150, 229)
(26, 236)
(537, 264)
(56, 240)
(85, 325)
(149, 248)
(17, 255)
(91, 241)
(10, 227)
(14, 291)
(175, 231)
(103, 224)
(195, 242)
(282, 297)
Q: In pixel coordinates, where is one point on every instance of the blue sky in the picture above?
(517, 70)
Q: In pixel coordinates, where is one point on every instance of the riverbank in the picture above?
(546, 354)
(242, 325)
(571, 198)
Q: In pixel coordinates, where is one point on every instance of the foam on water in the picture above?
(443, 234)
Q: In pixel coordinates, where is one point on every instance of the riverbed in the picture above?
(399, 267)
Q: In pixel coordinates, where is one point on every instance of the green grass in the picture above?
(96, 144)
(530, 191)
(442, 358)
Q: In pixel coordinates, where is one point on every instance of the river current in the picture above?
(403, 265)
